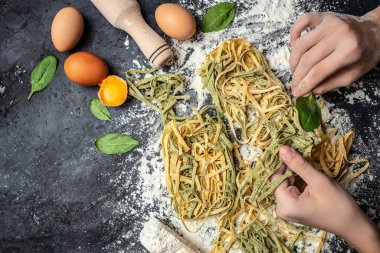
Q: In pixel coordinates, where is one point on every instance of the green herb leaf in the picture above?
(113, 144)
(218, 17)
(99, 110)
(42, 74)
(309, 111)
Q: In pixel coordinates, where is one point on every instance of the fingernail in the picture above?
(286, 152)
(295, 90)
(298, 89)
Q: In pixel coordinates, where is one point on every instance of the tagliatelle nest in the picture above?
(200, 176)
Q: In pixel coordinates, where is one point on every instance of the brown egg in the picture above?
(67, 29)
(176, 21)
(86, 69)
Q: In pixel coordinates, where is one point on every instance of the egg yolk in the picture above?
(113, 91)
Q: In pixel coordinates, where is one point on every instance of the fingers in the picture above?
(312, 57)
(286, 194)
(320, 72)
(278, 174)
(323, 56)
(307, 20)
(343, 78)
(292, 179)
(288, 205)
(304, 44)
(285, 190)
(299, 165)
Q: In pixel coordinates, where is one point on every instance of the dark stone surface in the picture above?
(53, 184)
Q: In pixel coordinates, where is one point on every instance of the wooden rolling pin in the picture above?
(156, 237)
(126, 15)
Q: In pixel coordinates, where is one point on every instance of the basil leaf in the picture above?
(218, 17)
(99, 110)
(309, 112)
(42, 74)
(113, 144)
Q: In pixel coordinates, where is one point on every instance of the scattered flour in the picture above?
(126, 43)
(361, 93)
(157, 239)
(279, 59)
(266, 24)
(136, 63)
(357, 95)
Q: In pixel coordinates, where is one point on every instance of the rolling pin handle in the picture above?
(126, 15)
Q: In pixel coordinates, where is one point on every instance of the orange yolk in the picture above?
(113, 91)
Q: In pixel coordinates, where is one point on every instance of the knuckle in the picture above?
(315, 72)
(345, 28)
(299, 46)
(304, 165)
(298, 162)
(329, 17)
(306, 17)
(305, 60)
(333, 19)
(355, 49)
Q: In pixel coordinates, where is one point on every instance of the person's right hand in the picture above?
(323, 204)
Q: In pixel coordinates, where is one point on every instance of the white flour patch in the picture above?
(126, 43)
(357, 95)
(363, 94)
(279, 59)
(136, 63)
(157, 239)
(2, 89)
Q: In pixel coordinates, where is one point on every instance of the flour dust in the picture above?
(264, 23)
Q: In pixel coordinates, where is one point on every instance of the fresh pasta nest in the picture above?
(200, 176)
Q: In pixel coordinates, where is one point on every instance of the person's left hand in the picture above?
(338, 51)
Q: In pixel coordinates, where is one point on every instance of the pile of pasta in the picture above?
(196, 150)
(160, 92)
(261, 115)
(200, 176)
(205, 172)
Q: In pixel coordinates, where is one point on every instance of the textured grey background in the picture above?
(53, 185)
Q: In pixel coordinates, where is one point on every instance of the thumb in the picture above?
(299, 165)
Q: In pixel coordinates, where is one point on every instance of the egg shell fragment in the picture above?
(67, 29)
(85, 68)
(175, 21)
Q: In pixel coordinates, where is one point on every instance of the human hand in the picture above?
(323, 204)
(338, 51)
